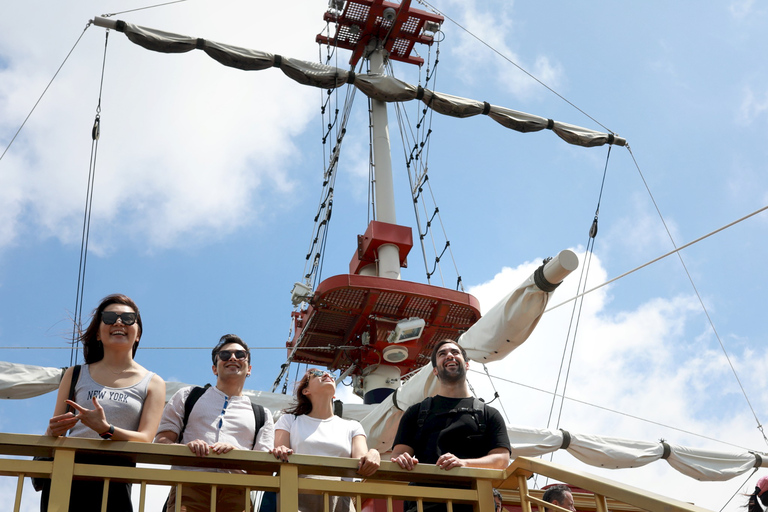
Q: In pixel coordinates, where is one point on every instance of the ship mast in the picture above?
(389, 254)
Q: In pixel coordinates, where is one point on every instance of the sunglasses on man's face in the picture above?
(226, 355)
(110, 317)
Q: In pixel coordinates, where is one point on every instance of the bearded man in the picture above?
(451, 429)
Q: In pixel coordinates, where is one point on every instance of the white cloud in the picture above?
(494, 26)
(642, 362)
(753, 106)
(187, 146)
(740, 9)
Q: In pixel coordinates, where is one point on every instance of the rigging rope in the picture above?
(582, 283)
(689, 244)
(739, 489)
(315, 257)
(416, 163)
(518, 66)
(142, 8)
(698, 296)
(85, 237)
(44, 91)
(614, 411)
(677, 250)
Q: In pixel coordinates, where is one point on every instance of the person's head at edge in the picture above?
(559, 495)
(93, 350)
(497, 500)
(761, 494)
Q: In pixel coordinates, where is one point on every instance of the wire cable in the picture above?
(614, 411)
(689, 244)
(518, 66)
(698, 296)
(44, 91)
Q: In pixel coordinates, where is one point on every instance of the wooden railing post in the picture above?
(288, 496)
(601, 505)
(61, 480)
(522, 487)
(485, 496)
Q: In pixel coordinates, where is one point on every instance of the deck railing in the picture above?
(464, 485)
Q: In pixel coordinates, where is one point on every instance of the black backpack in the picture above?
(478, 410)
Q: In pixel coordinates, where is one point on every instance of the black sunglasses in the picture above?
(226, 355)
(110, 317)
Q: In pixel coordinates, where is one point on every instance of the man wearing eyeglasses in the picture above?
(221, 419)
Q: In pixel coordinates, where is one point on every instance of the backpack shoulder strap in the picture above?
(480, 412)
(189, 403)
(424, 408)
(260, 415)
(75, 376)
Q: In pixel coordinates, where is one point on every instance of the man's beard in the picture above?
(452, 376)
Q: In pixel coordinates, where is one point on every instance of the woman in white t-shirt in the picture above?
(311, 428)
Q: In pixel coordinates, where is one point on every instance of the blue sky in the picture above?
(208, 179)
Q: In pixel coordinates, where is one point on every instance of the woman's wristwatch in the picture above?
(109, 433)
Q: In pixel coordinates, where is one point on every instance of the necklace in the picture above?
(113, 372)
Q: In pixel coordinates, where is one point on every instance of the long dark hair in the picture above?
(93, 350)
(303, 405)
(753, 505)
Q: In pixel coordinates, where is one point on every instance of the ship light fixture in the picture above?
(300, 293)
(395, 354)
(407, 330)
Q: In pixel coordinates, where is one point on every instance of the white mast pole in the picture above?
(389, 254)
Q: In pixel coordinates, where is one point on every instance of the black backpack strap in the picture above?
(75, 376)
(478, 407)
(260, 415)
(338, 408)
(189, 403)
(424, 408)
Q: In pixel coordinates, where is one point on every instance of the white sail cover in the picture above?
(379, 87)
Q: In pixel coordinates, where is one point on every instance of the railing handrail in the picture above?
(179, 455)
(600, 486)
(460, 484)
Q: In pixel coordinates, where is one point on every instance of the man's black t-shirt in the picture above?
(444, 431)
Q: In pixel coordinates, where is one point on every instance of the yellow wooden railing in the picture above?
(465, 485)
(602, 490)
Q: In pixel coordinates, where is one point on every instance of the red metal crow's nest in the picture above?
(350, 317)
(397, 25)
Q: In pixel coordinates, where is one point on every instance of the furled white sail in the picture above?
(379, 87)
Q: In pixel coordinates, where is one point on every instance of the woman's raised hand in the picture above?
(91, 418)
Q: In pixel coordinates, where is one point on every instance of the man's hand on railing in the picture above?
(282, 452)
(405, 460)
(201, 449)
(449, 461)
(369, 463)
(220, 448)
